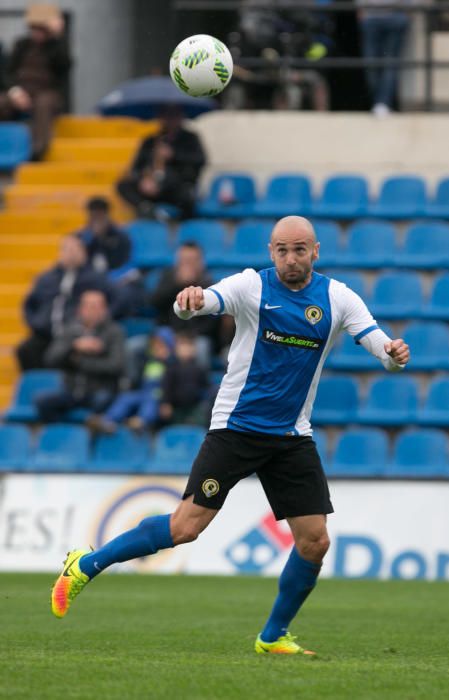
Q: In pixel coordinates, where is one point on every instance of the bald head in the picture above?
(292, 228)
(294, 249)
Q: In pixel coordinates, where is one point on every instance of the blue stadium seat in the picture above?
(397, 295)
(401, 197)
(336, 401)
(210, 235)
(429, 345)
(343, 197)
(15, 447)
(371, 244)
(361, 452)
(436, 406)
(61, 448)
(15, 145)
(438, 306)
(426, 246)
(241, 191)
(137, 326)
(353, 280)
(124, 452)
(175, 449)
(250, 245)
(438, 208)
(328, 235)
(31, 384)
(320, 438)
(285, 195)
(152, 279)
(391, 400)
(150, 244)
(350, 356)
(420, 454)
(218, 273)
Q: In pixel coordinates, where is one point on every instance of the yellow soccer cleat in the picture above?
(69, 584)
(283, 645)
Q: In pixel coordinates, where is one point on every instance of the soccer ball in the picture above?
(201, 66)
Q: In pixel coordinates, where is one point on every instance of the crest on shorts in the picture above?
(210, 487)
(313, 314)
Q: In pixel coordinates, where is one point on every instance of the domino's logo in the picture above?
(258, 548)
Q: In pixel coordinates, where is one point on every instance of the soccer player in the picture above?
(287, 319)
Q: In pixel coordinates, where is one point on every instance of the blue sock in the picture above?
(297, 580)
(151, 535)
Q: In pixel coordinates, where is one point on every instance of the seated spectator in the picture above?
(90, 351)
(165, 169)
(108, 246)
(54, 298)
(141, 406)
(189, 269)
(184, 385)
(37, 73)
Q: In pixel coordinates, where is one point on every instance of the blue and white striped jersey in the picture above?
(281, 341)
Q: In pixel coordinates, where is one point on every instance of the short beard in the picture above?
(300, 278)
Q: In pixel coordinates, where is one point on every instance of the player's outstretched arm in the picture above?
(193, 301)
(398, 351)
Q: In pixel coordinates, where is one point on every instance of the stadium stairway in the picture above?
(45, 201)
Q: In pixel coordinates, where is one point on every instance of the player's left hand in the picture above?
(398, 351)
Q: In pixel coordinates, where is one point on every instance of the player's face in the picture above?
(293, 257)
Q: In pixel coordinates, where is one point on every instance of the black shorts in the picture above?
(289, 469)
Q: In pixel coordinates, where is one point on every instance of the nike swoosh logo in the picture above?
(268, 306)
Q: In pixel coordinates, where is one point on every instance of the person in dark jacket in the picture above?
(54, 298)
(189, 269)
(91, 352)
(37, 71)
(108, 246)
(184, 384)
(165, 169)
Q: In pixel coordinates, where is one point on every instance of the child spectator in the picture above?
(141, 406)
(184, 384)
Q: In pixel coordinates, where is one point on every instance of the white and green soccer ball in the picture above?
(201, 66)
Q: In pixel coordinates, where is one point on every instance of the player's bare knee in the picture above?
(314, 548)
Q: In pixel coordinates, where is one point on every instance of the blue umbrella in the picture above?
(144, 98)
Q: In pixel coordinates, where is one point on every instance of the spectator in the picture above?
(54, 298)
(141, 406)
(90, 350)
(189, 269)
(165, 169)
(184, 385)
(108, 246)
(383, 33)
(37, 73)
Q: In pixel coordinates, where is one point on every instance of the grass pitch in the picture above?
(188, 638)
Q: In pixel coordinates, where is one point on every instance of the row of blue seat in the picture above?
(391, 400)
(368, 244)
(63, 447)
(233, 195)
(66, 448)
(367, 452)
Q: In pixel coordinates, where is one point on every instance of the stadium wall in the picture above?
(321, 144)
(395, 530)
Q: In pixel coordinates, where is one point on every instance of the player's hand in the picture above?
(191, 298)
(398, 351)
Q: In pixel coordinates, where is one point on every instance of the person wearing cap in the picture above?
(141, 406)
(165, 169)
(37, 73)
